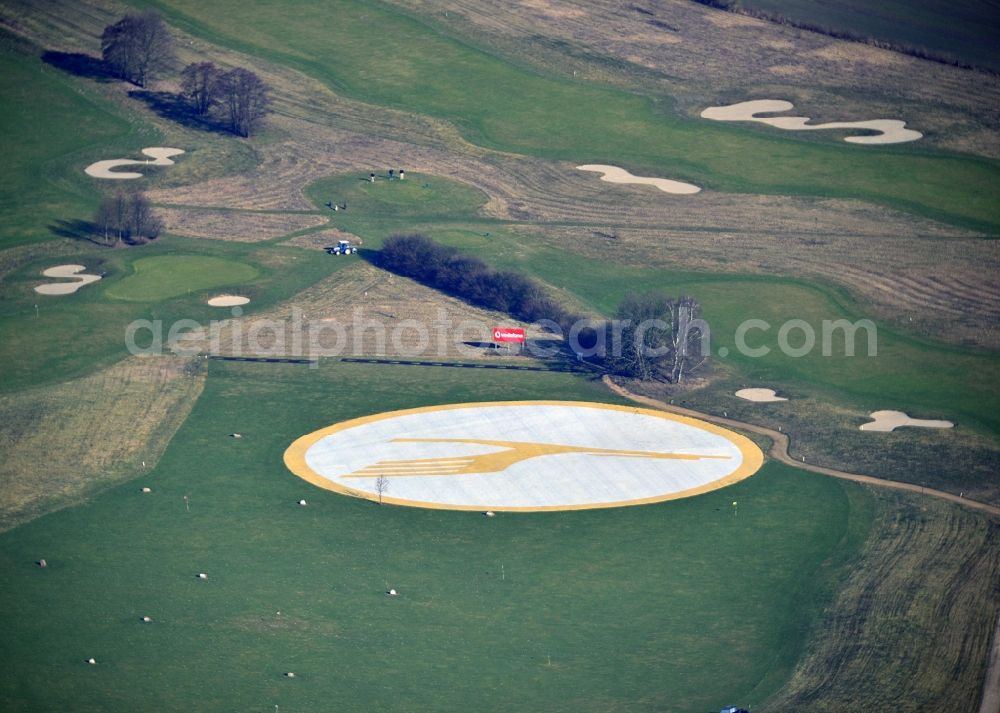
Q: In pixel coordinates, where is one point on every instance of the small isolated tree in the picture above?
(198, 85)
(244, 98)
(137, 47)
(688, 339)
(127, 217)
(658, 336)
(381, 487)
(642, 337)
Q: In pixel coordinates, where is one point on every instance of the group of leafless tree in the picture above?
(658, 336)
(139, 48)
(653, 336)
(240, 96)
(126, 217)
(447, 269)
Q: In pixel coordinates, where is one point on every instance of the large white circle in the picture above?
(535, 455)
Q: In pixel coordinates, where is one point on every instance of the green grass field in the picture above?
(419, 198)
(38, 186)
(895, 377)
(157, 278)
(680, 605)
(94, 322)
(382, 56)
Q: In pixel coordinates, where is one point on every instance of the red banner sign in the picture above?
(508, 334)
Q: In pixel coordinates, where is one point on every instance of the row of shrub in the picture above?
(447, 269)
(652, 336)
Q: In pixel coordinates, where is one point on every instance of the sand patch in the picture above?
(886, 421)
(66, 288)
(891, 131)
(159, 156)
(228, 301)
(614, 174)
(760, 395)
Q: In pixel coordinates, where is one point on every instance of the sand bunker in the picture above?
(891, 420)
(228, 301)
(66, 288)
(760, 395)
(892, 131)
(159, 156)
(614, 174)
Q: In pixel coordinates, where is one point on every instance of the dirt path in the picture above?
(779, 451)
(991, 686)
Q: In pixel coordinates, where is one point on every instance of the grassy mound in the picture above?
(164, 276)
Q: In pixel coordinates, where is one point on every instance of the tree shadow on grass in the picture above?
(76, 229)
(173, 107)
(79, 64)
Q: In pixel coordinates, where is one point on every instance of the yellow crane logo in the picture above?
(513, 452)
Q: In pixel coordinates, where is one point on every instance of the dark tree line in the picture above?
(126, 217)
(445, 268)
(653, 336)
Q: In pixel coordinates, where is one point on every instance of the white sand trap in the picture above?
(892, 130)
(228, 301)
(524, 456)
(66, 288)
(105, 169)
(763, 396)
(891, 420)
(614, 174)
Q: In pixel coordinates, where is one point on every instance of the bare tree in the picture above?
(137, 47)
(110, 218)
(244, 97)
(381, 487)
(127, 217)
(688, 339)
(640, 335)
(657, 336)
(198, 85)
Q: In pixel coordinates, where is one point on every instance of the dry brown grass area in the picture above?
(239, 226)
(321, 238)
(961, 461)
(61, 442)
(361, 311)
(710, 57)
(910, 630)
(942, 287)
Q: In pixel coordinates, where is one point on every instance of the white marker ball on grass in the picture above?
(302, 503)
(290, 674)
(202, 575)
(91, 661)
(147, 490)
(147, 619)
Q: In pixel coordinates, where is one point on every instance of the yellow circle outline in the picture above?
(295, 457)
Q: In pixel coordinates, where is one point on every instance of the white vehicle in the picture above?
(343, 247)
